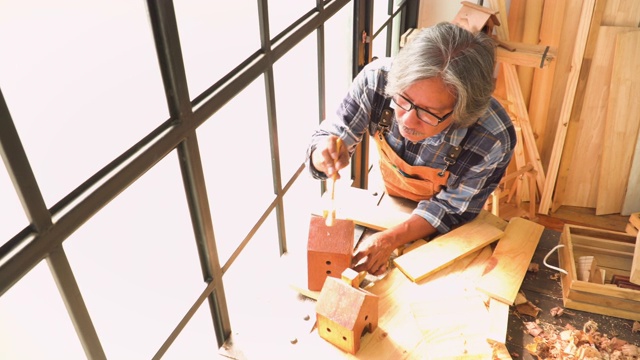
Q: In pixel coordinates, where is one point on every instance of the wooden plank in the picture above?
(445, 249)
(381, 211)
(622, 124)
(632, 196)
(622, 13)
(404, 329)
(502, 31)
(511, 258)
(535, 58)
(599, 309)
(566, 167)
(607, 291)
(580, 187)
(530, 35)
(361, 206)
(542, 88)
(516, 19)
(459, 328)
(563, 65)
(498, 321)
(635, 265)
(567, 105)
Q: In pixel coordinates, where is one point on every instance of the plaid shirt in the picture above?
(480, 167)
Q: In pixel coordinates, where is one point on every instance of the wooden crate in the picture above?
(613, 252)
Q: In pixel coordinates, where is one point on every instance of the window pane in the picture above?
(283, 13)
(338, 56)
(197, 340)
(379, 45)
(34, 323)
(266, 319)
(13, 217)
(236, 158)
(380, 15)
(82, 82)
(299, 202)
(215, 38)
(137, 265)
(296, 90)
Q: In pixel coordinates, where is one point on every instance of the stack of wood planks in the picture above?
(583, 110)
(576, 113)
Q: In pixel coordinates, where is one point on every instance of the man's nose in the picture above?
(410, 118)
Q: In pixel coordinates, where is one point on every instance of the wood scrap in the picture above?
(520, 299)
(528, 308)
(634, 219)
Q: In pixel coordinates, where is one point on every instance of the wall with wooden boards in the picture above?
(593, 154)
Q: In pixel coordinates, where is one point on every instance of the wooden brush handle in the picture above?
(334, 177)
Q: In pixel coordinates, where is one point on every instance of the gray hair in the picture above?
(463, 60)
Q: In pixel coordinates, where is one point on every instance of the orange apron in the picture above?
(401, 179)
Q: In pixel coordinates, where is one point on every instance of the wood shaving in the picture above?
(557, 311)
(569, 343)
(528, 309)
(533, 267)
(533, 329)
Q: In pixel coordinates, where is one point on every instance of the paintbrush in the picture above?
(331, 214)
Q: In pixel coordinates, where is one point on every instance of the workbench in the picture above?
(441, 316)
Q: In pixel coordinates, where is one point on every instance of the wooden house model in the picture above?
(345, 314)
(329, 251)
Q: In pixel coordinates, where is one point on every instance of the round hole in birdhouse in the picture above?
(328, 262)
(344, 338)
(328, 330)
(328, 272)
(366, 317)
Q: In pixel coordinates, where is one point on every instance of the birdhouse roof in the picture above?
(474, 17)
(341, 302)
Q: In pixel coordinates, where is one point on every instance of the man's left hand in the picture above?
(373, 253)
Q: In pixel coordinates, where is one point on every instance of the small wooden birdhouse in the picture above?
(329, 250)
(345, 314)
(476, 18)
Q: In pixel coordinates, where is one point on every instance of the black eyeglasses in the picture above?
(423, 114)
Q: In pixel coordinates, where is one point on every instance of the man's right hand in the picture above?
(329, 158)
